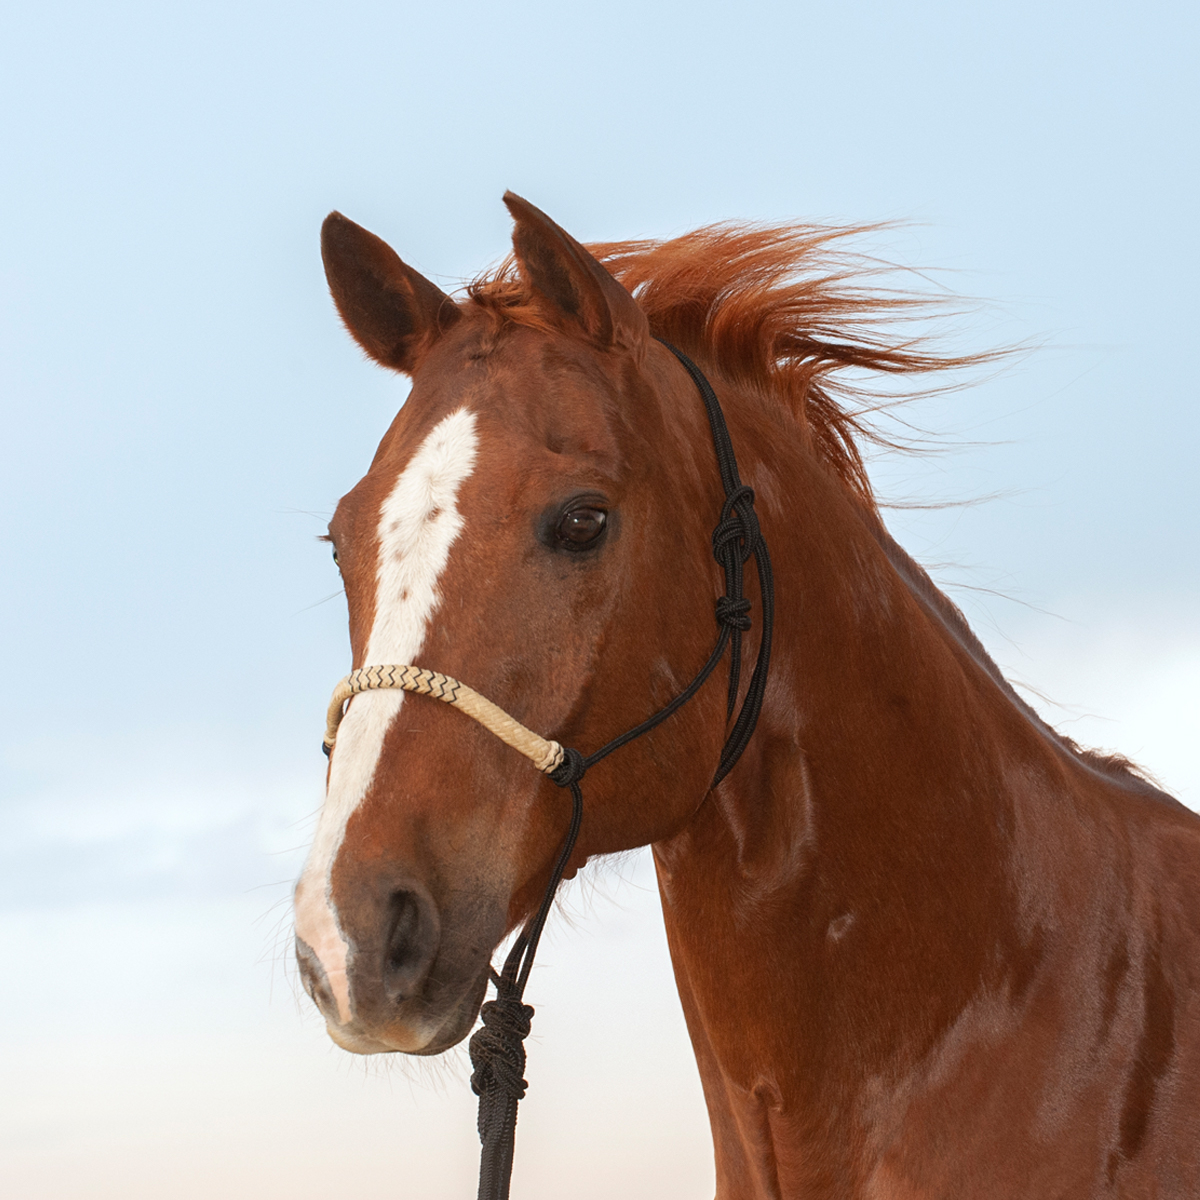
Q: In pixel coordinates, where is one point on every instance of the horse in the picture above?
(925, 945)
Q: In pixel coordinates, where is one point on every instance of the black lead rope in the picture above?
(497, 1048)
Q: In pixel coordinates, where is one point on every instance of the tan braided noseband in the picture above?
(545, 755)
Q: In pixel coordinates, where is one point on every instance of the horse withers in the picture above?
(925, 945)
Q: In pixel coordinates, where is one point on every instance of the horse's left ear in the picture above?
(393, 312)
(571, 281)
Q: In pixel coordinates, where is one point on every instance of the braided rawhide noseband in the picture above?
(497, 1049)
(543, 754)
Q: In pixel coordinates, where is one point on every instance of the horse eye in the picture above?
(580, 527)
(335, 559)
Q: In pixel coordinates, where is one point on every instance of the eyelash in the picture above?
(324, 537)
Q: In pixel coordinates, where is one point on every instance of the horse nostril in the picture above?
(312, 976)
(410, 946)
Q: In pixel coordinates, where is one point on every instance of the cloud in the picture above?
(89, 823)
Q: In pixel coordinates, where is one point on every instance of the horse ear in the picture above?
(393, 312)
(565, 277)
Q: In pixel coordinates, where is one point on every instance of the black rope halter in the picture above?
(497, 1049)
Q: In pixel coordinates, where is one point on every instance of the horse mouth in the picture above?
(417, 1033)
(459, 1021)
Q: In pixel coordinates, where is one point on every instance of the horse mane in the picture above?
(783, 309)
(1111, 765)
(788, 311)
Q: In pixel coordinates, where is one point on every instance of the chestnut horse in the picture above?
(926, 946)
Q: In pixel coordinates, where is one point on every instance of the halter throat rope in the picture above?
(497, 1049)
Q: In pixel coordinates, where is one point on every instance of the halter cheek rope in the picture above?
(497, 1049)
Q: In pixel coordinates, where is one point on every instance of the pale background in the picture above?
(182, 411)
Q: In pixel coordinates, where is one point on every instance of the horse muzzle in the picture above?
(398, 984)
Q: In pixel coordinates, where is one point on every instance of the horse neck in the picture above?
(843, 893)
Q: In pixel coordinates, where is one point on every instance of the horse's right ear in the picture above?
(393, 312)
(571, 283)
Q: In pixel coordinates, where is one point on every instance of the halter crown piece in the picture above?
(497, 1048)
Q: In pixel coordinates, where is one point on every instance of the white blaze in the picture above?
(418, 524)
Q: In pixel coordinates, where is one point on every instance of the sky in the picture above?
(181, 412)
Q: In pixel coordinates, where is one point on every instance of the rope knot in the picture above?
(570, 770)
(737, 533)
(734, 613)
(497, 1048)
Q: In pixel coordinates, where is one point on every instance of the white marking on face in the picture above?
(418, 523)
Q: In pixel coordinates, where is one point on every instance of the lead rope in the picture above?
(497, 1048)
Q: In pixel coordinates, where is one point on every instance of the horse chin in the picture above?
(420, 1039)
(459, 1021)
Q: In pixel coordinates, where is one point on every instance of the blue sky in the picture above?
(182, 411)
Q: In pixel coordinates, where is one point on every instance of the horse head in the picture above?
(535, 523)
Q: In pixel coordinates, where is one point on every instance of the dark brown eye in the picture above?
(580, 527)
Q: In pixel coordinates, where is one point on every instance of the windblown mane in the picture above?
(787, 310)
(781, 308)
